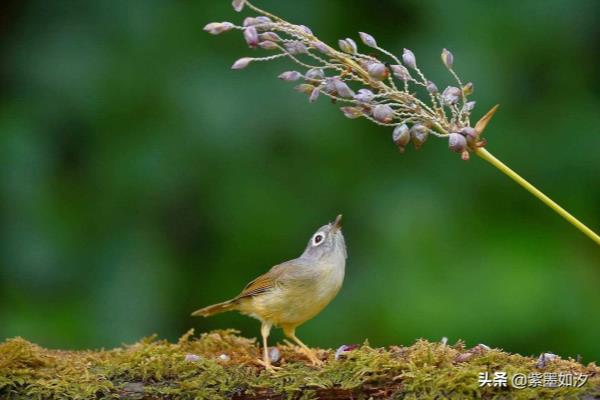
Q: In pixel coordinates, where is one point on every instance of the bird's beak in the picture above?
(337, 225)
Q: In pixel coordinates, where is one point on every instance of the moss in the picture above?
(195, 368)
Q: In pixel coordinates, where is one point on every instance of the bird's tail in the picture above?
(215, 309)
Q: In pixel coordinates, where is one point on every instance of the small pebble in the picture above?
(274, 354)
(345, 348)
(544, 358)
(463, 357)
(192, 357)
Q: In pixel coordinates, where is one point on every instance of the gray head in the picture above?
(327, 242)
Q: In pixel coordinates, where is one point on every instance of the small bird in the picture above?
(295, 291)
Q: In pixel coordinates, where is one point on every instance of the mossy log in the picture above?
(222, 365)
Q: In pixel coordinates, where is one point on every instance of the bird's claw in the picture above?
(268, 366)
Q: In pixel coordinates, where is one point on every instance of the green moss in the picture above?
(156, 369)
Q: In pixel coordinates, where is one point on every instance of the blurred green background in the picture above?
(141, 178)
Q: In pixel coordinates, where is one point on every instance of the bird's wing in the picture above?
(265, 282)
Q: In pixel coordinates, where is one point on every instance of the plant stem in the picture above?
(487, 156)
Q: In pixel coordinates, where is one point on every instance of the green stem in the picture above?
(487, 156)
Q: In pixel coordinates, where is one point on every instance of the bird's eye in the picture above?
(318, 239)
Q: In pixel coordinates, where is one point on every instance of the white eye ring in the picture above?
(318, 239)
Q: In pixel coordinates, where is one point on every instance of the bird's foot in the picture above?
(268, 366)
(312, 357)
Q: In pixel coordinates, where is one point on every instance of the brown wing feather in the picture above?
(263, 283)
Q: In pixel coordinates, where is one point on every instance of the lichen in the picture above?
(222, 365)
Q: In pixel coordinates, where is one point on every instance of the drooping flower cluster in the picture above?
(381, 89)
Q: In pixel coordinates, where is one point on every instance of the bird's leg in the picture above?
(291, 333)
(265, 330)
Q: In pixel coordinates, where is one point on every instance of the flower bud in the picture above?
(447, 58)
(468, 89)
(272, 36)
(367, 39)
(470, 105)
(241, 63)
(315, 73)
(305, 29)
(261, 19)
(364, 96)
(401, 136)
(249, 21)
(400, 72)
(451, 95)
(238, 5)
(457, 142)
(268, 45)
(290, 76)
(431, 87)
(296, 47)
(322, 47)
(408, 58)
(377, 71)
(216, 28)
(352, 112)
(314, 95)
(251, 36)
(305, 88)
(419, 134)
(469, 132)
(348, 46)
(470, 135)
(383, 113)
(342, 89)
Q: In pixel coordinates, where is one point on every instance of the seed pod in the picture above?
(352, 112)
(238, 5)
(348, 46)
(468, 89)
(315, 73)
(401, 136)
(457, 142)
(383, 113)
(409, 59)
(367, 39)
(290, 76)
(377, 71)
(251, 36)
(431, 87)
(419, 134)
(400, 72)
(216, 28)
(451, 95)
(447, 58)
(241, 63)
(305, 88)
(364, 96)
(342, 89)
(314, 95)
